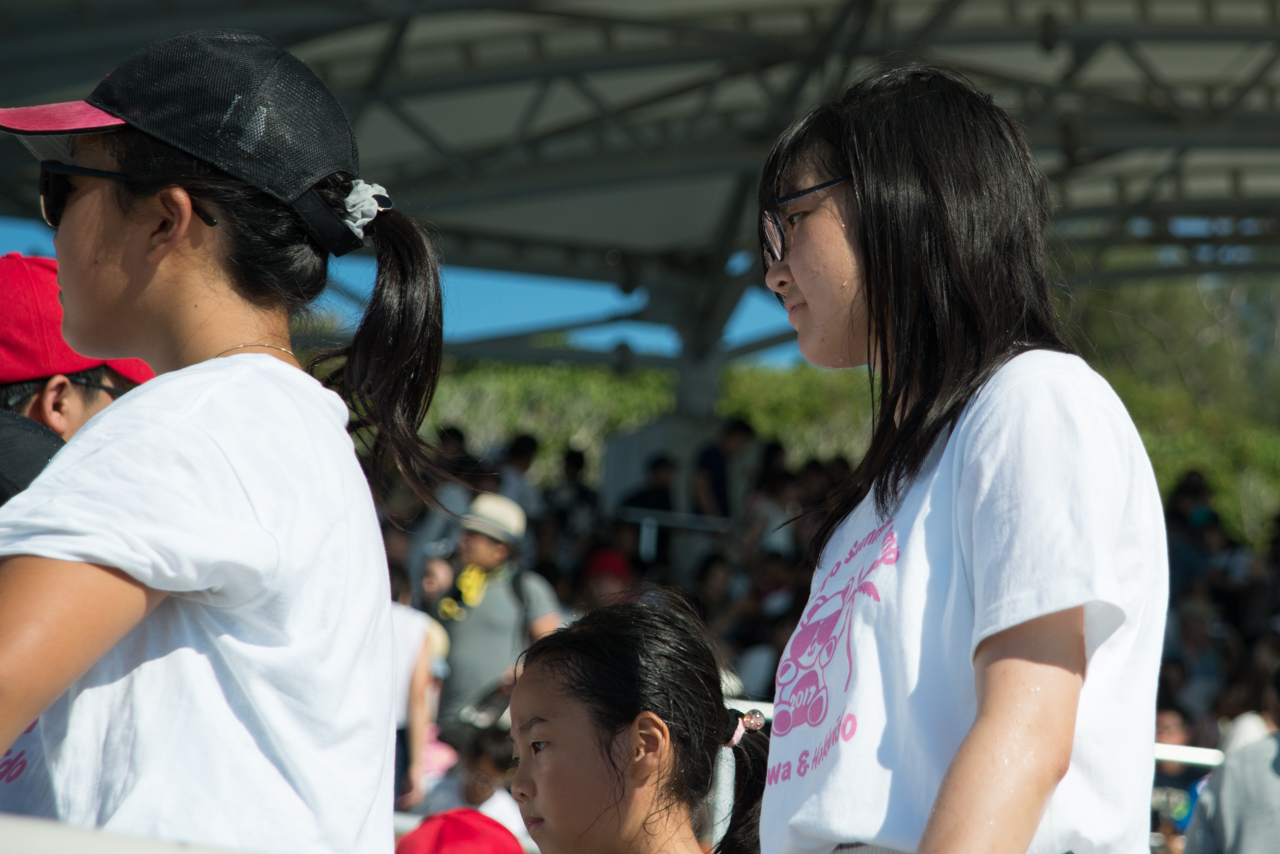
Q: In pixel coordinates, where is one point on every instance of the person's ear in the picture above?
(172, 221)
(648, 742)
(57, 406)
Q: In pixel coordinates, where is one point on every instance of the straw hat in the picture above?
(496, 516)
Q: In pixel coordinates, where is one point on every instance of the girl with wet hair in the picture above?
(618, 723)
(194, 599)
(975, 669)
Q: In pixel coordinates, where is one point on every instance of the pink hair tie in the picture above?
(752, 720)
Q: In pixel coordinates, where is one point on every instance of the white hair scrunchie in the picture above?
(363, 203)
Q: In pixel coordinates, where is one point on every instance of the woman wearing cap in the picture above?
(975, 669)
(193, 595)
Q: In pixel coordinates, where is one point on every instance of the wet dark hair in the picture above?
(388, 373)
(624, 659)
(951, 211)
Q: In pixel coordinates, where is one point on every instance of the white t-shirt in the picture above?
(1041, 499)
(253, 708)
(409, 627)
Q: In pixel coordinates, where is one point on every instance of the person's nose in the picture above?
(522, 784)
(778, 279)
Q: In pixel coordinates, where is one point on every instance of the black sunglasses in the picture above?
(55, 187)
(773, 237)
(116, 393)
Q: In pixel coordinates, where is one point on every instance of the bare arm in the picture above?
(1028, 681)
(57, 618)
(419, 682)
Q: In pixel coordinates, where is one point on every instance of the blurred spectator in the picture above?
(606, 578)
(460, 831)
(813, 487)
(771, 511)
(712, 594)
(656, 495)
(1228, 568)
(839, 471)
(1238, 811)
(1174, 793)
(1188, 510)
(439, 531)
(514, 475)
(397, 542)
(478, 782)
(1249, 704)
(454, 456)
(1262, 612)
(1198, 645)
(437, 580)
(773, 461)
(575, 509)
(492, 613)
(711, 473)
(414, 659)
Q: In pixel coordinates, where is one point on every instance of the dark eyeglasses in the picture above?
(773, 236)
(55, 187)
(116, 393)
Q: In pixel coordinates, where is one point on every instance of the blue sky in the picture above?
(485, 303)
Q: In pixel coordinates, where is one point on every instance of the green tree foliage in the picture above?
(563, 405)
(1196, 363)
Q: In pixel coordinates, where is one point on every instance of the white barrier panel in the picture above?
(37, 836)
(1203, 756)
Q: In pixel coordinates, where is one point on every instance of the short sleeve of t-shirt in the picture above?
(541, 598)
(156, 499)
(1044, 481)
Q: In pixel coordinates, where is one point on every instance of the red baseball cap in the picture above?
(460, 831)
(31, 343)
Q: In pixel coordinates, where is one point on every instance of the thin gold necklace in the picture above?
(242, 346)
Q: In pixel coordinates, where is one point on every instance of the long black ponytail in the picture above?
(390, 369)
(624, 659)
(388, 373)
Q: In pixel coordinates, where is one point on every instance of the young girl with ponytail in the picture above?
(193, 595)
(618, 723)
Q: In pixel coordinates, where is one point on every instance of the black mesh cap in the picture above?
(235, 100)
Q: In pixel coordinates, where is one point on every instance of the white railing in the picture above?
(37, 836)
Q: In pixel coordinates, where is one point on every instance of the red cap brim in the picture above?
(134, 370)
(67, 117)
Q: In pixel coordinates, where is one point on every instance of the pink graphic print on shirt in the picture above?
(801, 692)
(11, 767)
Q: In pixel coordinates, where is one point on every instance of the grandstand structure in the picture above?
(619, 141)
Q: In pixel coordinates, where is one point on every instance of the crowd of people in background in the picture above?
(570, 554)
(1222, 648)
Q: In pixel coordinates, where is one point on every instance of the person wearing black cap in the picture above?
(206, 638)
